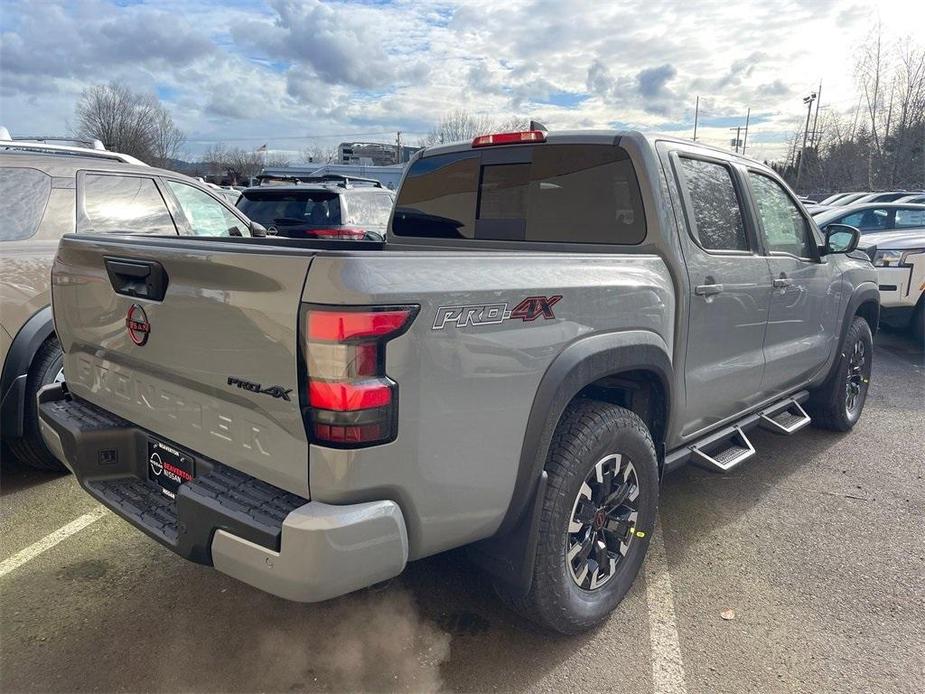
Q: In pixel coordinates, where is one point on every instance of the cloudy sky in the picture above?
(248, 72)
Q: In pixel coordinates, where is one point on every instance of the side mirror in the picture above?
(840, 238)
(258, 230)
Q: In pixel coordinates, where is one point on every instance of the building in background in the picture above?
(373, 153)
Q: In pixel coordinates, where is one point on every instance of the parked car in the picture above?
(899, 257)
(844, 199)
(874, 217)
(47, 191)
(555, 321)
(330, 206)
(889, 196)
(918, 198)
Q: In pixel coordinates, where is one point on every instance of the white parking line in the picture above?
(667, 665)
(49, 541)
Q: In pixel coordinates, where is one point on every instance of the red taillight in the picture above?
(348, 233)
(350, 400)
(349, 397)
(524, 137)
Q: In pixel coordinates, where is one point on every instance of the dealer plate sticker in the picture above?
(168, 467)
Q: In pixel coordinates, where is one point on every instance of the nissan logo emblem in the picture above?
(138, 326)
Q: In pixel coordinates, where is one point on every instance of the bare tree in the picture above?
(166, 138)
(233, 164)
(134, 123)
(462, 125)
(317, 153)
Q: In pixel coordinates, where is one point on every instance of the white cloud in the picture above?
(286, 69)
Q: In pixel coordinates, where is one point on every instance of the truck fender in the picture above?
(16, 370)
(577, 366)
(865, 293)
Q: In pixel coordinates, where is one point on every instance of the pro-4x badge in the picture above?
(528, 310)
(274, 391)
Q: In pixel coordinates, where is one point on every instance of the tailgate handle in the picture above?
(142, 279)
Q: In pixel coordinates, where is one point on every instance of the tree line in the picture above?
(881, 144)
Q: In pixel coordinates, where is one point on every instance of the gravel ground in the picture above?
(817, 546)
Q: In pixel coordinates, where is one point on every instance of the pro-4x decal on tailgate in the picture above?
(528, 310)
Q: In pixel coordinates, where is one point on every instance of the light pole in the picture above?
(808, 100)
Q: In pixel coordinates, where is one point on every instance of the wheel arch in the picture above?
(27, 342)
(604, 367)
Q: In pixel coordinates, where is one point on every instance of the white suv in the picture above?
(899, 257)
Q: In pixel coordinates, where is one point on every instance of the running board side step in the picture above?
(784, 420)
(738, 450)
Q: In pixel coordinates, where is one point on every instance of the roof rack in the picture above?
(94, 148)
(337, 179)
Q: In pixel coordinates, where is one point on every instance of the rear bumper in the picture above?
(276, 541)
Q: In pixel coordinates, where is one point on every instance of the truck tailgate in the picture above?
(211, 367)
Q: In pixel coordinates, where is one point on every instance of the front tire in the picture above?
(838, 403)
(598, 515)
(47, 367)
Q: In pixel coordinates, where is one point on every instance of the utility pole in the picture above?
(816, 118)
(748, 115)
(696, 115)
(809, 111)
(398, 148)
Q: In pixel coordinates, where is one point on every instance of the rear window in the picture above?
(23, 196)
(291, 208)
(541, 193)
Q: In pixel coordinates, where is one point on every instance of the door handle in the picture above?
(782, 282)
(143, 279)
(708, 289)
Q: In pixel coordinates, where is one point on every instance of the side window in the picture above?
(368, 209)
(908, 217)
(207, 216)
(130, 204)
(717, 214)
(868, 220)
(783, 226)
(23, 196)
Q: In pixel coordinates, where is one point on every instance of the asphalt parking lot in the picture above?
(817, 545)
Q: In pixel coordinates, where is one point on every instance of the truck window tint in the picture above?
(717, 215)
(551, 193)
(782, 225)
(131, 204)
(23, 196)
(206, 216)
(368, 209)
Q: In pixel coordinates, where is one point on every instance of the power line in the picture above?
(286, 137)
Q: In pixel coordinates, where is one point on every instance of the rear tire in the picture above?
(838, 403)
(600, 454)
(30, 449)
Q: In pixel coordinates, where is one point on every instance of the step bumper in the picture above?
(286, 545)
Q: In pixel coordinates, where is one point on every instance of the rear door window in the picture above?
(23, 196)
(908, 217)
(128, 204)
(541, 193)
(206, 216)
(718, 224)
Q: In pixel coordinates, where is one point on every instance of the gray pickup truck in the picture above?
(555, 321)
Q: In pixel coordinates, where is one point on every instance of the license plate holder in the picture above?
(168, 467)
